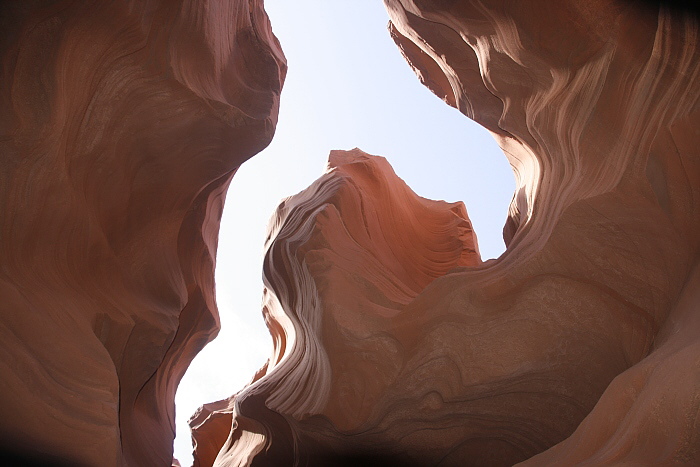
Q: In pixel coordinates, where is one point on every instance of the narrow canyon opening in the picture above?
(347, 86)
(124, 123)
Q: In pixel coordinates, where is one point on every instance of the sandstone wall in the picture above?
(395, 344)
(122, 125)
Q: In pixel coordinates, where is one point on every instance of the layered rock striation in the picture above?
(395, 344)
(337, 350)
(122, 125)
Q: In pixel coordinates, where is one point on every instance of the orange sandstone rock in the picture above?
(395, 344)
(122, 125)
(344, 260)
(595, 104)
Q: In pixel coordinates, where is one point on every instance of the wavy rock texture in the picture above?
(122, 125)
(337, 350)
(394, 344)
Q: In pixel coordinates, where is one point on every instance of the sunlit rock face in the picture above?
(395, 344)
(344, 259)
(122, 125)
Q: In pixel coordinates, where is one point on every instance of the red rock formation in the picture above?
(395, 344)
(122, 125)
(595, 105)
(334, 325)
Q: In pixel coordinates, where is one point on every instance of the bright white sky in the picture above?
(347, 86)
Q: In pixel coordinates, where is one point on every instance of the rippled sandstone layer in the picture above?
(122, 125)
(395, 344)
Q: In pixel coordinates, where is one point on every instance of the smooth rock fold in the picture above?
(122, 125)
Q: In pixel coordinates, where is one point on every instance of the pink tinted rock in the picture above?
(122, 125)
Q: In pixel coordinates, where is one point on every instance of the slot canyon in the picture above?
(393, 341)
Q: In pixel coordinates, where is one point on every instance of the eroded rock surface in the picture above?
(395, 344)
(122, 125)
(334, 326)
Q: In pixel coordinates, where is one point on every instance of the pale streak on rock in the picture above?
(122, 125)
(579, 344)
(318, 304)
